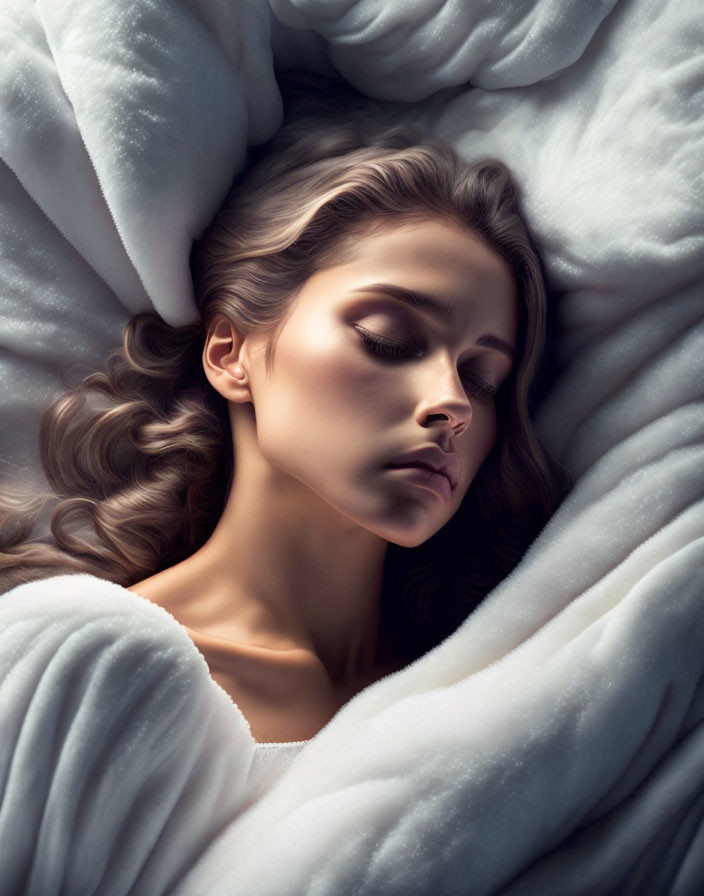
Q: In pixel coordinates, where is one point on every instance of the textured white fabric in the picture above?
(124, 765)
(112, 742)
(554, 744)
(120, 757)
(269, 762)
(126, 124)
(407, 51)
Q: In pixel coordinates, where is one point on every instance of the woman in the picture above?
(326, 473)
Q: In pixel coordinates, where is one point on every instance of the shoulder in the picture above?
(84, 639)
(82, 615)
(78, 594)
(75, 640)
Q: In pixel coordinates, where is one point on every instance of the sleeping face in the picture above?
(395, 353)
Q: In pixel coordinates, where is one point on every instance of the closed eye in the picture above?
(387, 347)
(390, 349)
(482, 390)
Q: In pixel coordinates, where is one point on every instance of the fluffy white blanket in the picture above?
(555, 743)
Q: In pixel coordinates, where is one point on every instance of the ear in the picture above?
(223, 361)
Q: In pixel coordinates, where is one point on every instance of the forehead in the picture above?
(436, 257)
(440, 244)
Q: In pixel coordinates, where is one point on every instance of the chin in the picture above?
(412, 524)
(408, 542)
(405, 523)
(413, 540)
(410, 537)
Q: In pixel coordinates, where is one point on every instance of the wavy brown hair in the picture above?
(137, 455)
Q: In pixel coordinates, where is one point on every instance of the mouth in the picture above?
(427, 477)
(422, 466)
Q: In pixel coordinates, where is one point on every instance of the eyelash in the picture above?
(387, 349)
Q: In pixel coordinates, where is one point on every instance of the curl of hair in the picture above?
(140, 456)
(134, 455)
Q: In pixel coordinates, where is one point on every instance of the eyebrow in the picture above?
(437, 307)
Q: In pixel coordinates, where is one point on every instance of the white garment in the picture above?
(121, 759)
(270, 761)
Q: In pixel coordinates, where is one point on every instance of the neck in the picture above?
(283, 570)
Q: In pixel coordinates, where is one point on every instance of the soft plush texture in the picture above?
(561, 748)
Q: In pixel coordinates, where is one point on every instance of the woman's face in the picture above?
(361, 378)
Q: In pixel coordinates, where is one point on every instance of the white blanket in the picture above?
(555, 743)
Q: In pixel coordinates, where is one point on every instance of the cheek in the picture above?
(316, 405)
(342, 391)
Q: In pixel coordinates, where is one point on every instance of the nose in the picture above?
(444, 398)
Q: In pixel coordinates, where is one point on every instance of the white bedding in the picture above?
(561, 748)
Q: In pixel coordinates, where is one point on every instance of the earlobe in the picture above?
(223, 361)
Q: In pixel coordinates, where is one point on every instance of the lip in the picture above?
(435, 482)
(434, 458)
